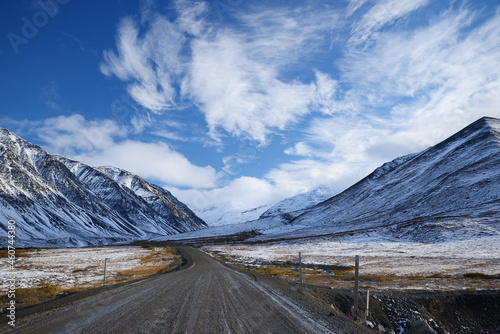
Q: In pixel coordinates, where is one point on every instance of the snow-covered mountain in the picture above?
(228, 214)
(181, 218)
(221, 215)
(447, 193)
(293, 206)
(450, 190)
(57, 201)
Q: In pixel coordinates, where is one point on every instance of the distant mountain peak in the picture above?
(299, 202)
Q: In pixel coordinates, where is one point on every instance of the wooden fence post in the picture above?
(367, 304)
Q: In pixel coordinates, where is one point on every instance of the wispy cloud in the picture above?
(427, 77)
(235, 76)
(164, 165)
(354, 5)
(49, 94)
(412, 88)
(394, 84)
(240, 94)
(382, 13)
(148, 63)
(103, 142)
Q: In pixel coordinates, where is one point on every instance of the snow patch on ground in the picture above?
(72, 267)
(382, 257)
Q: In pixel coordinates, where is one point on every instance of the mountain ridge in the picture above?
(58, 201)
(452, 182)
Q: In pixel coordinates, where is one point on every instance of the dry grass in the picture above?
(24, 252)
(84, 270)
(481, 276)
(159, 260)
(31, 296)
(344, 278)
(345, 272)
(272, 270)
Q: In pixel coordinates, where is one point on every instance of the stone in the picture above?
(421, 327)
(369, 324)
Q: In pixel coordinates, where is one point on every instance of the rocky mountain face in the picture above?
(451, 190)
(60, 202)
(170, 209)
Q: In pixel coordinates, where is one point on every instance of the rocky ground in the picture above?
(454, 312)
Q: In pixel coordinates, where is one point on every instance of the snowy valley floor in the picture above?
(460, 265)
(41, 274)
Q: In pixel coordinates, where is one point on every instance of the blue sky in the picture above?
(246, 102)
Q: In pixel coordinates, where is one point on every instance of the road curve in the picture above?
(205, 297)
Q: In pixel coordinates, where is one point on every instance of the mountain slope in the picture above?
(56, 201)
(451, 189)
(180, 217)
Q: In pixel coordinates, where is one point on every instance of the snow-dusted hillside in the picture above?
(449, 191)
(293, 206)
(179, 216)
(57, 201)
(446, 193)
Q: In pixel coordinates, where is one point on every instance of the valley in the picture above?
(425, 225)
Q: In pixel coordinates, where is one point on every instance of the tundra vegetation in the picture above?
(46, 274)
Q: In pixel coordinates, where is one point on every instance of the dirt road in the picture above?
(205, 297)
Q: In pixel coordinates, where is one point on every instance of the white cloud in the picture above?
(237, 78)
(336, 152)
(234, 75)
(190, 17)
(430, 79)
(100, 142)
(67, 135)
(354, 5)
(405, 63)
(154, 161)
(416, 88)
(242, 193)
(305, 174)
(284, 36)
(243, 95)
(400, 87)
(148, 63)
(382, 13)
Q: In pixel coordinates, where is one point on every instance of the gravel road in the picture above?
(204, 297)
